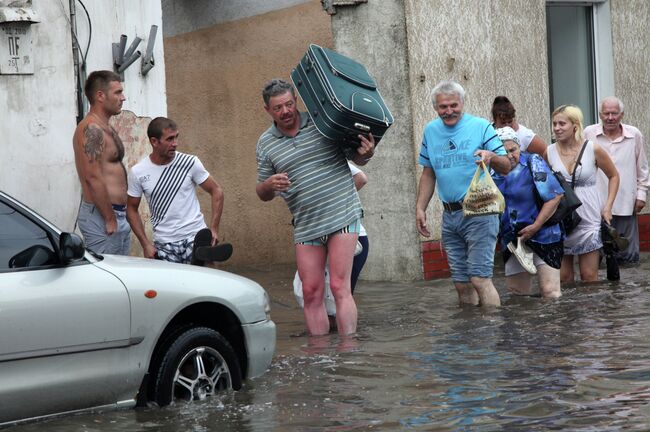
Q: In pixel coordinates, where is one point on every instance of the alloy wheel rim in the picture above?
(201, 373)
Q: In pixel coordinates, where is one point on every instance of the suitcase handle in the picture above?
(362, 127)
(337, 72)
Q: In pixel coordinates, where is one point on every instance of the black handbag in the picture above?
(565, 214)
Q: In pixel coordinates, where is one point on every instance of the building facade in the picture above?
(538, 53)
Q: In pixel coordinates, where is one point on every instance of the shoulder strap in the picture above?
(575, 167)
(485, 141)
(538, 199)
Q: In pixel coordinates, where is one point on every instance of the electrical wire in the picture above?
(80, 78)
(90, 35)
(74, 35)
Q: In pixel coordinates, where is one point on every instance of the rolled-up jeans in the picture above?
(93, 228)
(470, 244)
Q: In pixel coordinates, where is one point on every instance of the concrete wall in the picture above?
(631, 42)
(409, 51)
(38, 120)
(389, 197)
(37, 165)
(145, 95)
(495, 47)
(214, 81)
(485, 60)
(184, 16)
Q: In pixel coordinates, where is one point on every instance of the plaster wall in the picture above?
(503, 54)
(37, 166)
(389, 197)
(145, 95)
(38, 120)
(214, 94)
(631, 43)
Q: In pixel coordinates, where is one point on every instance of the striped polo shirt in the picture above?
(322, 197)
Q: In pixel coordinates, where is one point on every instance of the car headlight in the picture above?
(267, 305)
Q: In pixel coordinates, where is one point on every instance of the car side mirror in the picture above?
(71, 247)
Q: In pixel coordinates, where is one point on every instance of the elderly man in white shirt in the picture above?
(625, 145)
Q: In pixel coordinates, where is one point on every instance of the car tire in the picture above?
(198, 364)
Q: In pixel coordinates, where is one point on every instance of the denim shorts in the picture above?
(93, 228)
(470, 244)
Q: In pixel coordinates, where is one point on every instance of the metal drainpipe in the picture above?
(75, 59)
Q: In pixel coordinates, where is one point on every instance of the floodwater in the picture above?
(581, 363)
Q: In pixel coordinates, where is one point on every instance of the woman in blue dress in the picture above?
(532, 194)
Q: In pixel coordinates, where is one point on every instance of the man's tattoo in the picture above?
(94, 146)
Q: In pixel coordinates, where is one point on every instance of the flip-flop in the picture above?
(220, 252)
(202, 238)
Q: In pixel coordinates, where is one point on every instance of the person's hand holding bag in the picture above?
(483, 196)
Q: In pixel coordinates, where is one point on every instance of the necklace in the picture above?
(571, 154)
(572, 150)
(570, 158)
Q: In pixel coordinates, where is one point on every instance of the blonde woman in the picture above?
(584, 241)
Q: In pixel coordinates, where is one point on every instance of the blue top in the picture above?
(521, 203)
(449, 151)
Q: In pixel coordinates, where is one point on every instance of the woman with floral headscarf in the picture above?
(532, 193)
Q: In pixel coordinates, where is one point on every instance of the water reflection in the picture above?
(422, 363)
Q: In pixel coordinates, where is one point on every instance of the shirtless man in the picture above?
(98, 156)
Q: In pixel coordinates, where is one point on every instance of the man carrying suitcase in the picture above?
(312, 175)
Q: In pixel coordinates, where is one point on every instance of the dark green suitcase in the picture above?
(341, 97)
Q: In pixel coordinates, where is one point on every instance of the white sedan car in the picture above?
(81, 331)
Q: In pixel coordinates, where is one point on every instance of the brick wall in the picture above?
(434, 261)
(644, 232)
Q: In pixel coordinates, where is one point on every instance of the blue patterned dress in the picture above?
(522, 188)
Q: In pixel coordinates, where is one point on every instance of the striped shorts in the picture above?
(353, 228)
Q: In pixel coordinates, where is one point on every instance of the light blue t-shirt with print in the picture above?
(449, 151)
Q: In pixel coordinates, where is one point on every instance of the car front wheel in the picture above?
(198, 364)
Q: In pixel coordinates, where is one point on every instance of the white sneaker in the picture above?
(524, 255)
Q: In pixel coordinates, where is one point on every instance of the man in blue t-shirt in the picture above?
(452, 147)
